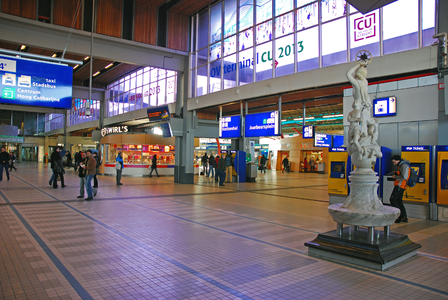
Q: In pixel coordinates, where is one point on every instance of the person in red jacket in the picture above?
(401, 177)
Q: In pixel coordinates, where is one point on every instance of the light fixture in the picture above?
(54, 55)
(22, 47)
(75, 67)
(97, 73)
(333, 116)
(108, 66)
(284, 120)
(86, 58)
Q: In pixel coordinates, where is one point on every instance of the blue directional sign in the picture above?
(29, 82)
(262, 124)
(338, 140)
(230, 127)
(308, 132)
(322, 140)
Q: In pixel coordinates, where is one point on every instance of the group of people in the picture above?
(6, 162)
(87, 167)
(222, 164)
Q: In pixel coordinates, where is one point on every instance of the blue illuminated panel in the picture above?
(27, 82)
(415, 148)
(338, 149)
(442, 148)
(308, 132)
(338, 140)
(262, 124)
(385, 107)
(322, 140)
(230, 127)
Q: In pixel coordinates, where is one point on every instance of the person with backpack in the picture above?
(211, 166)
(229, 165)
(401, 177)
(98, 164)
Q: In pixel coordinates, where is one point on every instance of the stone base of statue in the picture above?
(363, 246)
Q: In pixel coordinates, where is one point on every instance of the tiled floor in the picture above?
(153, 239)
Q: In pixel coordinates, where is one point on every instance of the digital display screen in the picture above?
(160, 113)
(308, 132)
(337, 168)
(33, 83)
(338, 140)
(262, 124)
(230, 127)
(322, 140)
(385, 107)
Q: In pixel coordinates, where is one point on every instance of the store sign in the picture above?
(112, 130)
(262, 124)
(230, 127)
(27, 82)
(160, 113)
(11, 139)
(338, 149)
(414, 148)
(322, 140)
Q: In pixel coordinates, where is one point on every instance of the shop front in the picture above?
(137, 151)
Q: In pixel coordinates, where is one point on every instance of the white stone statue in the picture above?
(363, 207)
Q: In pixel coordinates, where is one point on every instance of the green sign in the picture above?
(11, 139)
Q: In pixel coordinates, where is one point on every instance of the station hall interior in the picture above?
(182, 78)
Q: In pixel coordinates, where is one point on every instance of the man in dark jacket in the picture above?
(4, 163)
(82, 176)
(222, 169)
(263, 163)
(78, 158)
(57, 167)
(211, 166)
(154, 166)
(401, 177)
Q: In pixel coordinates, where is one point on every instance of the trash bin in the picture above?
(251, 172)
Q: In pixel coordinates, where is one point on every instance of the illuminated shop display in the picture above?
(144, 88)
(233, 45)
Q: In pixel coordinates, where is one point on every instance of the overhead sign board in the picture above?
(322, 140)
(385, 107)
(338, 140)
(159, 113)
(33, 83)
(308, 132)
(415, 148)
(230, 127)
(262, 124)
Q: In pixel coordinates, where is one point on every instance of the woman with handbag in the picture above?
(119, 167)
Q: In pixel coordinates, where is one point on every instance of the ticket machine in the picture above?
(383, 166)
(340, 168)
(239, 165)
(442, 175)
(420, 158)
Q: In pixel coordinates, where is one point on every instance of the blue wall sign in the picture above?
(33, 83)
(230, 127)
(308, 132)
(262, 124)
(442, 148)
(322, 140)
(338, 149)
(415, 148)
(385, 107)
(338, 140)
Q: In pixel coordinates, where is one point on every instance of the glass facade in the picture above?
(83, 111)
(141, 89)
(236, 42)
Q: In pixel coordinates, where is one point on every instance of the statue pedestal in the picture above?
(363, 246)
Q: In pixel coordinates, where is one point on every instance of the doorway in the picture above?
(29, 154)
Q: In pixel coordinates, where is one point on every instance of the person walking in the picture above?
(69, 159)
(58, 168)
(211, 168)
(229, 165)
(90, 168)
(82, 176)
(285, 164)
(154, 165)
(119, 160)
(12, 160)
(97, 169)
(312, 164)
(204, 163)
(4, 163)
(78, 158)
(263, 160)
(222, 169)
(216, 167)
(401, 177)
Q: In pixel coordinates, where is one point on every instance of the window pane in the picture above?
(304, 2)
(132, 99)
(5, 117)
(307, 16)
(201, 81)
(264, 10)
(215, 51)
(246, 14)
(153, 88)
(216, 28)
(246, 39)
(126, 99)
(161, 93)
(230, 45)
(332, 9)
(264, 32)
(203, 29)
(229, 69)
(264, 61)
(284, 48)
(202, 57)
(229, 17)
(334, 43)
(284, 25)
(17, 120)
(139, 80)
(145, 102)
(282, 6)
(146, 77)
(170, 90)
(364, 33)
(429, 7)
(215, 76)
(246, 66)
(400, 26)
(30, 123)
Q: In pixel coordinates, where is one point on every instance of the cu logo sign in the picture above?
(365, 27)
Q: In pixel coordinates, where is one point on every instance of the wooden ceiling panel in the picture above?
(115, 73)
(188, 7)
(9, 46)
(84, 72)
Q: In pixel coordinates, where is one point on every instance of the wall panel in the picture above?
(178, 31)
(427, 132)
(408, 133)
(145, 24)
(108, 17)
(388, 137)
(21, 8)
(65, 11)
